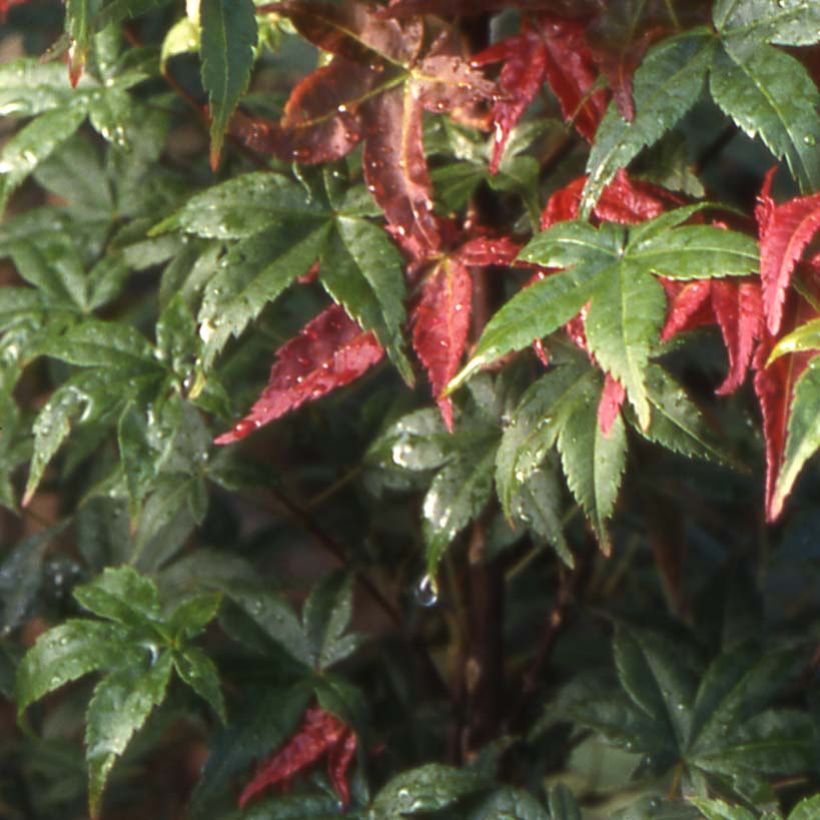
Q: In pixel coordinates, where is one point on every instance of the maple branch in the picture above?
(555, 622)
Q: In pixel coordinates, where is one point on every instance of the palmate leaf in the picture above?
(227, 40)
(281, 234)
(551, 49)
(534, 426)
(718, 728)
(611, 269)
(137, 648)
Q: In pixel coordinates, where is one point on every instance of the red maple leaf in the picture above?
(625, 200)
(552, 50)
(610, 403)
(329, 352)
(785, 231)
(441, 318)
(735, 306)
(320, 734)
(441, 322)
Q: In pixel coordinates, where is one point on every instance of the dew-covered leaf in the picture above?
(441, 321)
(67, 652)
(121, 704)
(276, 618)
(427, 788)
(362, 270)
(34, 143)
(329, 352)
(751, 22)
(252, 274)
(21, 576)
(241, 206)
(121, 594)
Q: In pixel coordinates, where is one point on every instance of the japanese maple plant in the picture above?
(410, 408)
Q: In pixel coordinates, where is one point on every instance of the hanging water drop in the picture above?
(427, 591)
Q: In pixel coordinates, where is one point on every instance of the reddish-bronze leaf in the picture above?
(609, 406)
(738, 308)
(553, 50)
(338, 762)
(321, 733)
(320, 122)
(353, 30)
(448, 82)
(785, 231)
(625, 200)
(571, 73)
(395, 169)
(522, 74)
(484, 250)
(689, 306)
(734, 305)
(441, 321)
(329, 352)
